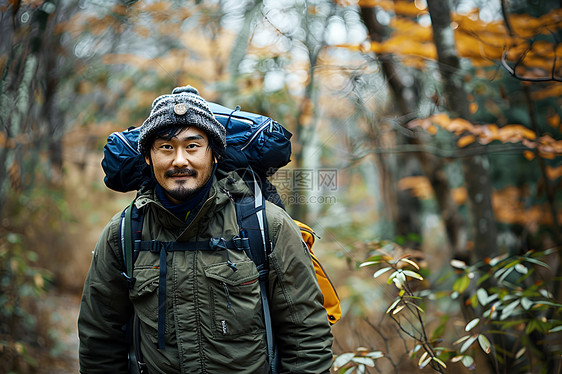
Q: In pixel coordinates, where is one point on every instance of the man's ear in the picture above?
(147, 159)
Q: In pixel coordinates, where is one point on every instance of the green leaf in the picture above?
(467, 361)
(364, 361)
(469, 326)
(483, 278)
(461, 284)
(537, 262)
(381, 271)
(439, 362)
(522, 269)
(512, 264)
(343, 360)
(375, 354)
(482, 296)
(369, 263)
(505, 274)
(484, 343)
(424, 360)
(458, 264)
(375, 258)
(555, 329)
(509, 309)
(526, 303)
(468, 343)
(392, 306)
(460, 340)
(531, 326)
(410, 262)
(412, 274)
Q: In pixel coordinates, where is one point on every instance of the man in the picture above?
(211, 320)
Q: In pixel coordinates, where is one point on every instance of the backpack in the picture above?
(256, 147)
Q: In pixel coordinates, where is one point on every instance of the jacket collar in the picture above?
(222, 191)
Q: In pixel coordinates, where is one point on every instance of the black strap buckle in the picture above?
(217, 243)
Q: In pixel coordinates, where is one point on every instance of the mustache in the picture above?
(180, 172)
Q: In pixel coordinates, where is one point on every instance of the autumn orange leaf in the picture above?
(466, 140)
(459, 125)
(441, 119)
(553, 172)
(529, 155)
(553, 120)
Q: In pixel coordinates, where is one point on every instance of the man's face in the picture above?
(182, 164)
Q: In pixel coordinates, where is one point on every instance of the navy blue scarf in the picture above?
(192, 205)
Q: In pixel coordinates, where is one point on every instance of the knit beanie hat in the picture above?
(183, 107)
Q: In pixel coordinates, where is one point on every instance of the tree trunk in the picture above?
(475, 169)
(431, 166)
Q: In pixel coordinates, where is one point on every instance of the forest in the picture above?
(426, 156)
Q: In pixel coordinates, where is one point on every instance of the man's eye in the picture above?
(192, 146)
(166, 146)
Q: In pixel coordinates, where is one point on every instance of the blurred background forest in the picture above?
(426, 134)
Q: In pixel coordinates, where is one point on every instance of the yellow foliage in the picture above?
(407, 8)
(459, 195)
(160, 6)
(119, 9)
(459, 125)
(351, 47)
(441, 119)
(415, 62)
(515, 133)
(466, 140)
(98, 26)
(142, 30)
(407, 28)
(548, 145)
(473, 108)
(527, 26)
(419, 186)
(169, 28)
(432, 130)
(384, 4)
(555, 90)
(553, 120)
(554, 172)
(529, 155)
(346, 3)
(404, 45)
(509, 207)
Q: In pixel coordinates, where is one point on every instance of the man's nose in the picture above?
(180, 159)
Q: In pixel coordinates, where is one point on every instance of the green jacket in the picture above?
(214, 318)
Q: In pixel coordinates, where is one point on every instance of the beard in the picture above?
(183, 192)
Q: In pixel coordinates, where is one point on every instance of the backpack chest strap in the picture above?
(162, 248)
(213, 244)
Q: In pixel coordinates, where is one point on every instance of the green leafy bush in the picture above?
(513, 318)
(21, 285)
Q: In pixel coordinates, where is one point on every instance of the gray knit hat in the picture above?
(183, 107)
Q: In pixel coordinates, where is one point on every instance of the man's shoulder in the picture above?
(278, 217)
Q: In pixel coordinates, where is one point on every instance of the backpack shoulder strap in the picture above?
(130, 230)
(252, 222)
